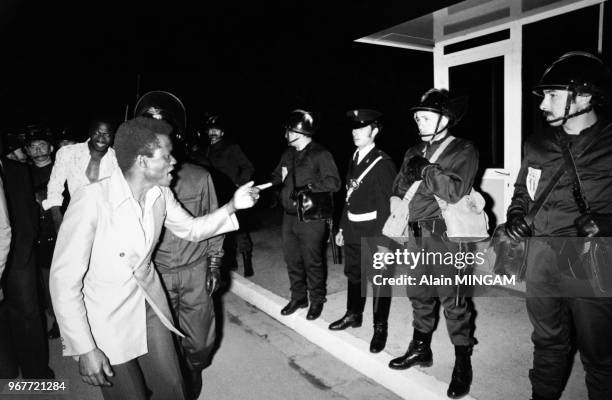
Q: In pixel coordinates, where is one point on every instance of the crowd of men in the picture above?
(121, 238)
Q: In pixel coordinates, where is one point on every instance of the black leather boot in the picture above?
(350, 320)
(248, 264)
(419, 353)
(379, 339)
(194, 383)
(353, 317)
(380, 310)
(293, 306)
(462, 373)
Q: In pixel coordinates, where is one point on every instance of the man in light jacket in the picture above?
(110, 305)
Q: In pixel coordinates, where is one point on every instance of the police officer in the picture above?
(304, 166)
(230, 168)
(190, 270)
(368, 182)
(39, 148)
(450, 178)
(575, 92)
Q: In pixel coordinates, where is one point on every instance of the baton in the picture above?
(334, 248)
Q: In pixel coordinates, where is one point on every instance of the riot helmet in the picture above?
(162, 105)
(577, 72)
(301, 121)
(440, 102)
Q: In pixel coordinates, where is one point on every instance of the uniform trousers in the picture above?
(555, 318)
(193, 312)
(44, 254)
(303, 248)
(358, 260)
(426, 299)
(23, 342)
(155, 375)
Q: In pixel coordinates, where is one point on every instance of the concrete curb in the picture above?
(411, 384)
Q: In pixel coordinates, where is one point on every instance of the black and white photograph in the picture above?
(306, 200)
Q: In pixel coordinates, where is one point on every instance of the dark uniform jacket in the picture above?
(23, 213)
(195, 191)
(228, 166)
(541, 159)
(314, 165)
(367, 209)
(450, 178)
(229, 159)
(40, 179)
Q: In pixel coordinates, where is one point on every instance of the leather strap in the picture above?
(568, 164)
(545, 193)
(357, 181)
(581, 202)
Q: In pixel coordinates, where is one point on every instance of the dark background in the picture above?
(252, 61)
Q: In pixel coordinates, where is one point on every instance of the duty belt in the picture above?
(362, 217)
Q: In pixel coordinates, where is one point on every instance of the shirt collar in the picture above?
(364, 152)
(120, 192)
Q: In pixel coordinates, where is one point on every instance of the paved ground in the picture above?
(501, 359)
(259, 358)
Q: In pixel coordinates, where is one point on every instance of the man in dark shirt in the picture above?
(560, 300)
(450, 178)
(39, 148)
(369, 180)
(304, 166)
(23, 346)
(190, 270)
(230, 168)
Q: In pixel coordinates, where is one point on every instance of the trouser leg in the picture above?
(127, 383)
(457, 312)
(44, 254)
(551, 340)
(311, 244)
(355, 299)
(593, 325)
(293, 258)
(25, 321)
(550, 319)
(196, 317)
(157, 371)
(244, 244)
(160, 366)
(9, 369)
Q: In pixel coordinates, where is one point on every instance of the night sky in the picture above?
(252, 61)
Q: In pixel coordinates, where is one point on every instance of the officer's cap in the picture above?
(363, 117)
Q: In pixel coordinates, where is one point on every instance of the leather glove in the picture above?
(516, 226)
(213, 276)
(299, 190)
(590, 225)
(416, 166)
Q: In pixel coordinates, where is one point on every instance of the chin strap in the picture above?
(437, 131)
(567, 115)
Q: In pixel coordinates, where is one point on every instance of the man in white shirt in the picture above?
(81, 164)
(108, 298)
